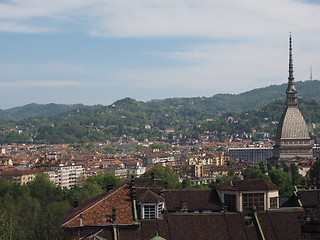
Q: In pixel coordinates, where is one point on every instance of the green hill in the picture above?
(249, 100)
(38, 110)
(128, 118)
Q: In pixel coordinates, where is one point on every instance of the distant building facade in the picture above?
(67, 176)
(251, 154)
(24, 176)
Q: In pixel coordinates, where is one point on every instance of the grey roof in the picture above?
(292, 125)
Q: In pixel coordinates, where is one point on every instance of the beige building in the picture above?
(24, 176)
(249, 194)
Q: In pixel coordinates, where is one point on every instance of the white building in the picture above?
(67, 176)
(136, 171)
(157, 158)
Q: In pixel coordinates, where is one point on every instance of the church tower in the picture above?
(292, 140)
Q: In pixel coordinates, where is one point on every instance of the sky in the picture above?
(100, 51)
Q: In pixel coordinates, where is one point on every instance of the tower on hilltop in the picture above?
(292, 140)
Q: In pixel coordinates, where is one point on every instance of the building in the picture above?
(68, 176)
(246, 194)
(24, 176)
(156, 158)
(292, 140)
(143, 209)
(251, 154)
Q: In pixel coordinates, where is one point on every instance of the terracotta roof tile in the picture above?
(98, 211)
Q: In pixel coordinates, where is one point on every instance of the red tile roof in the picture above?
(98, 211)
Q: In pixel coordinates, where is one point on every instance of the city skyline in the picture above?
(97, 52)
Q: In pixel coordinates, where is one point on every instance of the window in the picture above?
(252, 199)
(230, 202)
(149, 211)
(273, 202)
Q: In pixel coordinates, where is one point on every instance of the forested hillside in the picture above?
(169, 119)
(250, 100)
(38, 110)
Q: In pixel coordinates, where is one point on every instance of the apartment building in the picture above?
(251, 154)
(68, 176)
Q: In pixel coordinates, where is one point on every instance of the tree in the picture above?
(103, 179)
(229, 177)
(295, 176)
(261, 166)
(209, 148)
(314, 171)
(255, 172)
(269, 166)
(42, 188)
(166, 174)
(282, 179)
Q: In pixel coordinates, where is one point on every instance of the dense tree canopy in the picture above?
(165, 174)
(282, 179)
(36, 210)
(255, 172)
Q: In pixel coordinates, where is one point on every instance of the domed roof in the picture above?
(292, 125)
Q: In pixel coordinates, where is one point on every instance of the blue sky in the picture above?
(100, 51)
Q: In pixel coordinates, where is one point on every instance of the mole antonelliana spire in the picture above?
(292, 140)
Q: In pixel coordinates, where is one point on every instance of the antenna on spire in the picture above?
(291, 91)
(291, 78)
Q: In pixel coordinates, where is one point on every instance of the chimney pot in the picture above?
(114, 215)
(75, 203)
(110, 186)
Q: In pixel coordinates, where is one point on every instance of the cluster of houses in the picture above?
(21, 163)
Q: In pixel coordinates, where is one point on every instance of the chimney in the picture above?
(114, 215)
(110, 186)
(75, 203)
(184, 206)
(132, 180)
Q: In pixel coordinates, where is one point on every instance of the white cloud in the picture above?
(246, 42)
(147, 18)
